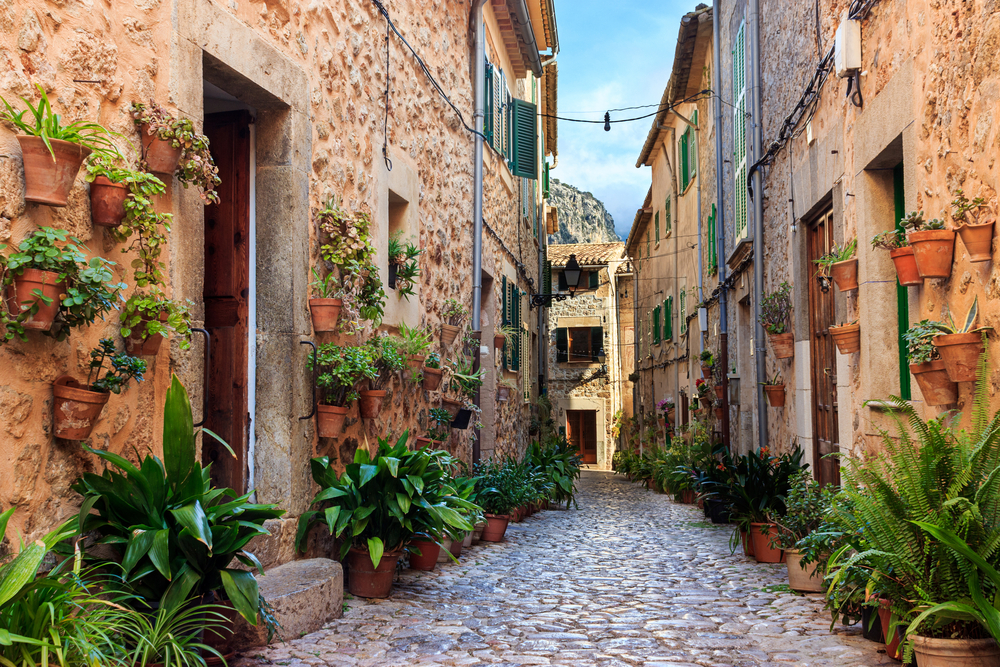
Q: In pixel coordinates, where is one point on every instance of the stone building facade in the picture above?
(314, 81)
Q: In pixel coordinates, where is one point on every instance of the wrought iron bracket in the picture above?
(545, 300)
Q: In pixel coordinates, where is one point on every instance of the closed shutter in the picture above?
(740, 134)
(684, 161)
(526, 363)
(656, 326)
(508, 316)
(656, 218)
(669, 223)
(668, 319)
(524, 159)
(682, 312)
(515, 356)
(693, 147)
(595, 279)
(562, 346)
(596, 341)
(497, 110)
(545, 181)
(488, 118)
(547, 275)
(713, 251)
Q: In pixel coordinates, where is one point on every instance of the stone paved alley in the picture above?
(631, 578)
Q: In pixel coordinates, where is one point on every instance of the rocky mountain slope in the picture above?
(582, 217)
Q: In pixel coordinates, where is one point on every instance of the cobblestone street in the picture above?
(631, 578)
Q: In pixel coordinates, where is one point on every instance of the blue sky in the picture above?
(612, 55)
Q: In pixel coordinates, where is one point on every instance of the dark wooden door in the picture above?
(823, 315)
(581, 432)
(226, 293)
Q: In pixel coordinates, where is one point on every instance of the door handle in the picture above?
(312, 413)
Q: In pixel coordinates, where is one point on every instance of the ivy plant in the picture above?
(920, 342)
(122, 368)
(339, 370)
(141, 314)
(196, 166)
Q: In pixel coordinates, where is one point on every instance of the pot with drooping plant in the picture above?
(347, 244)
(847, 337)
(774, 389)
(387, 360)
(52, 152)
(775, 316)
(76, 406)
(326, 302)
(413, 344)
(432, 371)
(975, 225)
(901, 254)
(960, 344)
(502, 334)
(841, 265)
(933, 245)
(453, 315)
(149, 316)
(338, 371)
(927, 365)
(505, 387)
(404, 265)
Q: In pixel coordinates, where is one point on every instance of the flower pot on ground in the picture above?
(428, 556)
(717, 511)
(688, 496)
(747, 543)
(775, 395)
(445, 552)
(871, 625)
(495, 528)
(891, 636)
(933, 251)
(367, 580)
(467, 542)
(936, 652)
(935, 385)
(371, 402)
(457, 543)
(762, 534)
(330, 420)
(24, 296)
(845, 274)
(477, 531)
(847, 337)
(805, 579)
(107, 202)
(906, 267)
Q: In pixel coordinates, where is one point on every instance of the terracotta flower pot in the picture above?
(960, 354)
(161, 156)
(456, 547)
(783, 345)
(498, 341)
(496, 526)
(107, 202)
(935, 385)
(706, 372)
(75, 408)
(22, 297)
(933, 250)
(847, 338)
(718, 413)
(503, 394)
(449, 333)
(325, 313)
(891, 643)
(934, 652)
(415, 362)
(477, 532)
(467, 542)
(805, 579)
(688, 497)
(719, 391)
(366, 581)
(330, 420)
(432, 378)
(747, 543)
(428, 556)
(762, 549)
(452, 406)
(845, 274)
(775, 395)
(424, 442)
(906, 267)
(136, 345)
(978, 240)
(371, 403)
(48, 181)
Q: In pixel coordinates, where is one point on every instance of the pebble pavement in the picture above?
(631, 578)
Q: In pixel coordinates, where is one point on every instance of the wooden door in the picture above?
(823, 315)
(226, 294)
(581, 433)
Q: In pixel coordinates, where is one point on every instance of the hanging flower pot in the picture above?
(503, 394)
(935, 385)
(150, 346)
(775, 395)
(366, 581)
(23, 297)
(107, 202)
(845, 274)
(706, 372)
(371, 403)
(719, 391)
(393, 273)
(424, 442)
(415, 362)
(978, 240)
(719, 413)
(933, 250)
(906, 267)
(451, 405)
(762, 549)
(802, 579)
(432, 378)
(47, 180)
(847, 337)
(496, 526)
(161, 156)
(463, 419)
(330, 420)
(783, 345)
(498, 341)
(75, 408)
(428, 556)
(960, 354)
(938, 652)
(325, 313)
(448, 334)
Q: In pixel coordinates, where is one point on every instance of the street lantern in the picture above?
(601, 356)
(572, 274)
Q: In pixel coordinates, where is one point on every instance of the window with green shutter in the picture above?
(547, 275)
(685, 175)
(668, 221)
(524, 136)
(488, 116)
(656, 218)
(517, 344)
(562, 346)
(545, 181)
(682, 312)
(594, 279)
(740, 199)
(656, 326)
(692, 133)
(713, 250)
(668, 319)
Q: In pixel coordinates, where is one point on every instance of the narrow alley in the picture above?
(629, 578)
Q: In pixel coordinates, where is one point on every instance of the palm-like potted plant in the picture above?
(933, 245)
(502, 334)
(465, 380)
(53, 152)
(927, 365)
(806, 507)
(975, 225)
(774, 389)
(326, 301)
(148, 317)
(387, 359)
(841, 265)
(432, 371)
(498, 493)
(76, 406)
(173, 146)
(847, 337)
(960, 344)
(404, 265)
(775, 316)
(338, 371)
(453, 314)
(901, 254)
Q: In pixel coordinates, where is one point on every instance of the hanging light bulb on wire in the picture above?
(607, 121)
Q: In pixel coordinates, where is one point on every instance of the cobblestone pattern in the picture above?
(631, 578)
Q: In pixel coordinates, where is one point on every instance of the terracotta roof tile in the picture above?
(587, 254)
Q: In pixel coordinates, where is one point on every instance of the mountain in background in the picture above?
(582, 217)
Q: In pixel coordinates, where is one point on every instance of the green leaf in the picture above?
(330, 515)
(375, 549)
(18, 572)
(368, 473)
(5, 517)
(241, 588)
(193, 518)
(404, 502)
(178, 433)
(159, 553)
(392, 464)
(138, 546)
(180, 589)
(970, 317)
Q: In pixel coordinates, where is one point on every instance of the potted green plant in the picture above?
(172, 146)
(413, 344)
(347, 246)
(933, 245)
(404, 266)
(707, 362)
(326, 302)
(841, 265)
(901, 254)
(927, 365)
(387, 360)
(432, 371)
(806, 507)
(702, 387)
(52, 152)
(380, 501)
(774, 389)
(108, 191)
(338, 372)
(505, 387)
(775, 316)
(847, 337)
(502, 333)
(465, 380)
(960, 344)
(148, 317)
(975, 225)
(166, 530)
(498, 493)
(453, 314)
(439, 425)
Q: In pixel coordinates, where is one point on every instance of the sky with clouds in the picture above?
(613, 55)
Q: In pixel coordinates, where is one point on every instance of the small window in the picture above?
(579, 344)
(657, 222)
(682, 312)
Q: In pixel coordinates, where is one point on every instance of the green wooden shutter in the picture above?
(488, 107)
(656, 326)
(684, 160)
(595, 279)
(740, 198)
(596, 341)
(656, 219)
(504, 305)
(682, 312)
(508, 316)
(525, 139)
(515, 356)
(669, 223)
(546, 188)
(562, 345)
(547, 275)
(668, 319)
(713, 250)
(693, 148)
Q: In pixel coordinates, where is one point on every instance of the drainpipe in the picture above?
(720, 233)
(477, 212)
(523, 19)
(758, 223)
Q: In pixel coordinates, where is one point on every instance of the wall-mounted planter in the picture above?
(978, 240)
(906, 267)
(371, 403)
(934, 250)
(463, 419)
(718, 413)
(775, 395)
(325, 313)
(136, 346)
(48, 181)
(161, 156)
(452, 406)
(75, 408)
(503, 394)
(498, 341)
(330, 420)
(720, 391)
(449, 333)
(783, 345)
(107, 202)
(23, 297)
(847, 338)
(935, 385)
(415, 362)
(845, 274)
(960, 354)
(706, 372)
(423, 442)
(432, 378)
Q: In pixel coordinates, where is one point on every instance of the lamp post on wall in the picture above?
(572, 275)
